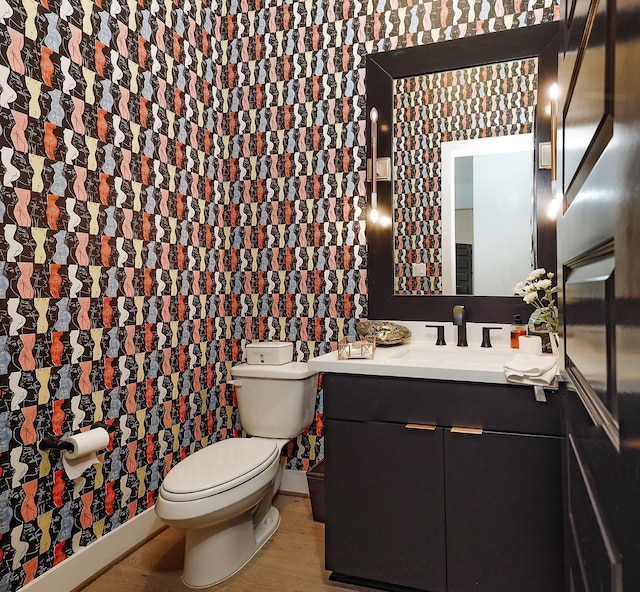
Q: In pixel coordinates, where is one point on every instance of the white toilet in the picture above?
(222, 494)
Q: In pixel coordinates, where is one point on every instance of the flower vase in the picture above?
(554, 340)
(539, 327)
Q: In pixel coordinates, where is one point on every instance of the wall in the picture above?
(177, 179)
(502, 216)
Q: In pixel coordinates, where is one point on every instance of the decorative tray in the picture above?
(349, 348)
(385, 332)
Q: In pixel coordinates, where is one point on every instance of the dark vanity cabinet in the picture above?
(504, 508)
(442, 486)
(377, 529)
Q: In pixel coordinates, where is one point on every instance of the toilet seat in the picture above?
(218, 468)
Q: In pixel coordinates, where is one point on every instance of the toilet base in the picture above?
(214, 554)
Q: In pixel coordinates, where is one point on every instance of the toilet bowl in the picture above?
(222, 494)
(216, 506)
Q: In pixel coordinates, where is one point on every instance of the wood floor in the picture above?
(292, 561)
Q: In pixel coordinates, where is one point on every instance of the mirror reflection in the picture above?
(444, 124)
(487, 214)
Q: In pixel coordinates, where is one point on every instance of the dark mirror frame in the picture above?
(539, 41)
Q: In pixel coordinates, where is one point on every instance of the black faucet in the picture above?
(460, 320)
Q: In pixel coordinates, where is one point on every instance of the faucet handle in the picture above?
(486, 335)
(440, 328)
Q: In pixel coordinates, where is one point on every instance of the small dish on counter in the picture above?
(385, 332)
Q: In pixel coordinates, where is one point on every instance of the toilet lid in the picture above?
(219, 467)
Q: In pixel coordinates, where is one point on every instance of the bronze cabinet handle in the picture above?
(463, 430)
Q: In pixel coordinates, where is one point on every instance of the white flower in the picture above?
(538, 290)
(543, 284)
(536, 273)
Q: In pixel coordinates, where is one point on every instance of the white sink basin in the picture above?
(462, 357)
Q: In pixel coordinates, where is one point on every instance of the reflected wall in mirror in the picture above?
(445, 122)
(431, 112)
(488, 229)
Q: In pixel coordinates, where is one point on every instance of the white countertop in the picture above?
(421, 358)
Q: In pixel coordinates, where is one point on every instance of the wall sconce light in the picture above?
(548, 154)
(378, 169)
(554, 93)
(373, 212)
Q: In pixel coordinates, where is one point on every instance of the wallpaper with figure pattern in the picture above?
(468, 104)
(177, 179)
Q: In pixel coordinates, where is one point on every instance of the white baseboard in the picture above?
(92, 559)
(294, 482)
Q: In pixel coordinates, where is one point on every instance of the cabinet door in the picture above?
(504, 513)
(384, 489)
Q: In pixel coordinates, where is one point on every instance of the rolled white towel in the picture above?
(524, 369)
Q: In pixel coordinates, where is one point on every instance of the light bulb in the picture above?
(555, 206)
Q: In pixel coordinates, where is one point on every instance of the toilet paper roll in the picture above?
(83, 455)
(530, 345)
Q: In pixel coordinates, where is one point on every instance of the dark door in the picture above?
(464, 268)
(384, 496)
(599, 265)
(504, 512)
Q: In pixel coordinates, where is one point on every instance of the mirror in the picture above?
(389, 259)
(476, 110)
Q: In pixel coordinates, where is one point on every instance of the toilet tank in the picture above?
(275, 401)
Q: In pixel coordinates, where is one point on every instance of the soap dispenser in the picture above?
(517, 329)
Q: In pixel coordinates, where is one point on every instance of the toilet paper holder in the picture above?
(52, 443)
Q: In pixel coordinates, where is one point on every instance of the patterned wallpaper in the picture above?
(178, 178)
(108, 287)
(488, 101)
